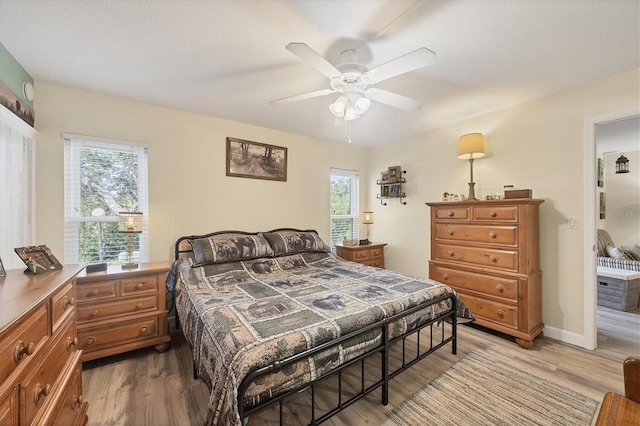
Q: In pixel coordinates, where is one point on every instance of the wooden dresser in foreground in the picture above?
(488, 251)
(371, 254)
(40, 363)
(122, 309)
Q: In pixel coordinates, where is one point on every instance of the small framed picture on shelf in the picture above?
(38, 259)
(395, 173)
(385, 190)
(394, 190)
(384, 177)
(3, 273)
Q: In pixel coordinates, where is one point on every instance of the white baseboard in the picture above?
(566, 337)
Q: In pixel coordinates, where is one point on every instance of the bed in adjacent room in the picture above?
(270, 314)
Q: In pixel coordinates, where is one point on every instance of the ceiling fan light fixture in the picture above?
(362, 105)
(351, 113)
(339, 106)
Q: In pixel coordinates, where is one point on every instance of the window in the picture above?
(103, 178)
(17, 146)
(345, 211)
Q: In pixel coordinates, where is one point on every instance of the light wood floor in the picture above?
(144, 387)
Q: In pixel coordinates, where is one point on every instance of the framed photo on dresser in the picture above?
(38, 259)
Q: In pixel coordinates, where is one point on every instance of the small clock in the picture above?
(27, 89)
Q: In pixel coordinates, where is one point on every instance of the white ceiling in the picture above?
(227, 58)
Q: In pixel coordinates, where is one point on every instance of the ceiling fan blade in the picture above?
(310, 56)
(393, 99)
(302, 96)
(411, 61)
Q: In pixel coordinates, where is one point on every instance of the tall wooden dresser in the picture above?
(488, 251)
(40, 363)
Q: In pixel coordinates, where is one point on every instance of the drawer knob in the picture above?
(445, 276)
(451, 214)
(71, 342)
(140, 305)
(452, 253)
(493, 258)
(95, 292)
(90, 341)
(451, 232)
(21, 350)
(500, 288)
(66, 302)
(95, 313)
(492, 235)
(493, 214)
(39, 391)
(144, 329)
(77, 401)
(140, 285)
(500, 313)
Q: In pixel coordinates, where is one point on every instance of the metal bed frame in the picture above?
(436, 340)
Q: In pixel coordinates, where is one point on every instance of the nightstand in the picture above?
(122, 309)
(371, 254)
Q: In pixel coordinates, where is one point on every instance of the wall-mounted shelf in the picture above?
(391, 186)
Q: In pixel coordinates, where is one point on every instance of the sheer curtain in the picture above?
(17, 187)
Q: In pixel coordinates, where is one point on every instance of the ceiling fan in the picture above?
(351, 80)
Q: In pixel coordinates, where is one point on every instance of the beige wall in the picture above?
(188, 190)
(537, 145)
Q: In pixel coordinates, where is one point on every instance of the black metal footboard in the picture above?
(435, 341)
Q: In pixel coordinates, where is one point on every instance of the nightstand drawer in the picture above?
(501, 313)
(481, 284)
(30, 334)
(379, 263)
(483, 234)
(452, 213)
(361, 255)
(97, 291)
(95, 312)
(496, 213)
(501, 259)
(117, 334)
(139, 285)
(376, 252)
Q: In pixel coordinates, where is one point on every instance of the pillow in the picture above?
(291, 241)
(633, 251)
(618, 253)
(229, 247)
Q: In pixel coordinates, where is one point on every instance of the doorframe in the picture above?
(589, 214)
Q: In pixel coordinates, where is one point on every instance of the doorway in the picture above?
(590, 220)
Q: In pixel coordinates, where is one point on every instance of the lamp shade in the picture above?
(470, 146)
(367, 218)
(130, 222)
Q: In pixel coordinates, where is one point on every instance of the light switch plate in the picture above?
(572, 223)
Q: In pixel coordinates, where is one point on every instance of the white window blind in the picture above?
(345, 210)
(103, 178)
(17, 183)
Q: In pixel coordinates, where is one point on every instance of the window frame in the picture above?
(73, 145)
(354, 175)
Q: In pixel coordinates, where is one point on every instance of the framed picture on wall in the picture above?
(3, 273)
(256, 160)
(600, 172)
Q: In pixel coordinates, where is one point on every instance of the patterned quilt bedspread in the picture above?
(244, 315)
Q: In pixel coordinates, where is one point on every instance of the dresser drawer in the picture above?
(361, 255)
(496, 213)
(29, 336)
(484, 234)
(94, 312)
(42, 380)
(376, 252)
(378, 263)
(139, 285)
(501, 259)
(117, 334)
(97, 291)
(500, 313)
(62, 303)
(70, 408)
(481, 284)
(452, 213)
(9, 409)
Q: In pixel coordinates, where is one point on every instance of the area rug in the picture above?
(479, 390)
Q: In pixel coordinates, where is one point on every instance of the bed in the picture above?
(271, 314)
